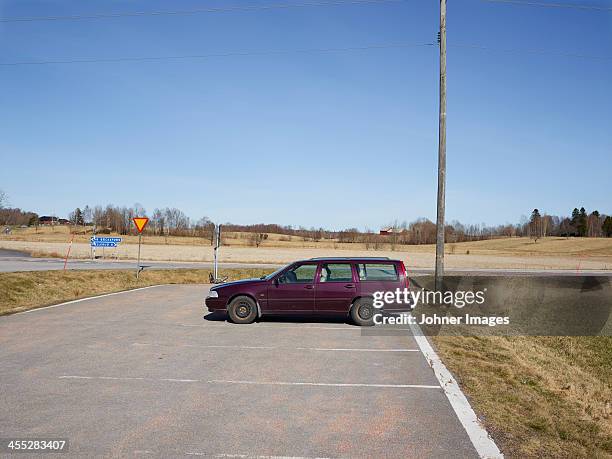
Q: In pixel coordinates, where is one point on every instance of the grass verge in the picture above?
(29, 290)
(538, 396)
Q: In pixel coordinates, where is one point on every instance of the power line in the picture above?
(275, 7)
(551, 5)
(531, 51)
(296, 51)
(212, 55)
(197, 11)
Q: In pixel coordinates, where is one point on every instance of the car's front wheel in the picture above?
(363, 312)
(242, 310)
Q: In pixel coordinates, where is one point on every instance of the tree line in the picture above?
(168, 221)
(579, 224)
(171, 221)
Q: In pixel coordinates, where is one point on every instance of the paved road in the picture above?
(14, 261)
(144, 373)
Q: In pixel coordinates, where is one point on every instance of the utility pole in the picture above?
(441, 153)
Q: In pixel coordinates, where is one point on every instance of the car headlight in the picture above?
(212, 294)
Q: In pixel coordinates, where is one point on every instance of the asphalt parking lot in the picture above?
(144, 373)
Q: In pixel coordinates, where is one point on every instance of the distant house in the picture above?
(386, 231)
(47, 220)
(63, 221)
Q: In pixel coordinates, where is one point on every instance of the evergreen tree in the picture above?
(607, 226)
(535, 225)
(582, 222)
(575, 215)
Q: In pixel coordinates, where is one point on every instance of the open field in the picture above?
(514, 253)
(412, 259)
(28, 290)
(517, 246)
(538, 396)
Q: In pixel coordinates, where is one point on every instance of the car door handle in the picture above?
(349, 286)
(309, 287)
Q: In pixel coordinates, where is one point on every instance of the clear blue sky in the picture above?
(337, 139)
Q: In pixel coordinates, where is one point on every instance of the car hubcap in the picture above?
(243, 310)
(365, 312)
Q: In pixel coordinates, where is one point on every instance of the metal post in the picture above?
(92, 249)
(138, 262)
(216, 252)
(441, 153)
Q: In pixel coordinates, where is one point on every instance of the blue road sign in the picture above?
(105, 241)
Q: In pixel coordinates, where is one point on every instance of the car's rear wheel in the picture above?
(363, 312)
(242, 310)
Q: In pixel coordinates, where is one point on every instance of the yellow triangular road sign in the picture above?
(140, 223)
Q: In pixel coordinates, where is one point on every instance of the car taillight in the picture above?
(405, 274)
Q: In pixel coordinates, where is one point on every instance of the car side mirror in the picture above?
(276, 282)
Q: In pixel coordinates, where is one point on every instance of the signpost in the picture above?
(140, 223)
(111, 242)
(104, 241)
(216, 253)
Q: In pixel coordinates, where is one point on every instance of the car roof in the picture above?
(355, 259)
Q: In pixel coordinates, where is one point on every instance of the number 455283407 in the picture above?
(34, 444)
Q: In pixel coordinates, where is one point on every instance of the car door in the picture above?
(335, 287)
(293, 290)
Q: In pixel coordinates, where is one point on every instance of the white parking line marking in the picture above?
(212, 346)
(111, 378)
(256, 383)
(283, 383)
(292, 327)
(254, 326)
(86, 299)
(483, 443)
(355, 350)
(248, 456)
(317, 349)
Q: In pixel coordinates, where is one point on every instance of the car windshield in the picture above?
(271, 275)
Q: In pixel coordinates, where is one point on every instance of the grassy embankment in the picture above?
(28, 290)
(538, 396)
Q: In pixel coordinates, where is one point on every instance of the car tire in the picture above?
(242, 310)
(362, 312)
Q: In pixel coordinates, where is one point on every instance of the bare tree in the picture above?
(257, 238)
(87, 214)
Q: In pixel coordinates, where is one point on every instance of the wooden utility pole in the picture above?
(441, 153)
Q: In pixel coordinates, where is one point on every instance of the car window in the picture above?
(336, 272)
(377, 272)
(271, 275)
(302, 274)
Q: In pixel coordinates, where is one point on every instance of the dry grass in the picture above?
(515, 253)
(413, 256)
(538, 396)
(28, 290)
(550, 246)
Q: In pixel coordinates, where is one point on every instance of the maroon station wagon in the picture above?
(314, 286)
